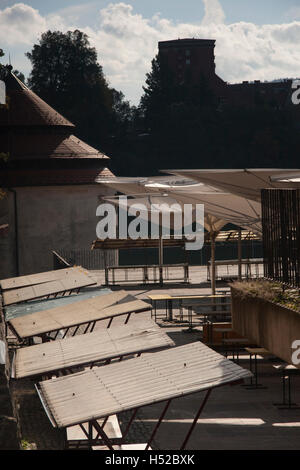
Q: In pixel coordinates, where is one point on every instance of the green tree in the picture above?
(66, 74)
(18, 74)
(122, 110)
(177, 116)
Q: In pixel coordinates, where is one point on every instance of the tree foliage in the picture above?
(67, 75)
(176, 125)
(18, 74)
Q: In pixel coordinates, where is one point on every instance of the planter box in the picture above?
(266, 324)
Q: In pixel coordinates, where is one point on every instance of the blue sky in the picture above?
(257, 11)
(255, 39)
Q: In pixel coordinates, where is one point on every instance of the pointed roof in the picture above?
(40, 144)
(39, 131)
(25, 108)
(45, 145)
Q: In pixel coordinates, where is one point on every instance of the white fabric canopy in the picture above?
(223, 206)
(220, 205)
(141, 187)
(293, 179)
(247, 183)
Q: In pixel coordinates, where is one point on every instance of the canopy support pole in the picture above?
(161, 260)
(129, 424)
(195, 420)
(240, 255)
(158, 424)
(213, 262)
(160, 251)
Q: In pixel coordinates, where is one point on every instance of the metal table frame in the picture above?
(89, 327)
(103, 439)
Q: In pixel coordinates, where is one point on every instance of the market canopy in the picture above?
(127, 185)
(38, 305)
(40, 278)
(293, 179)
(103, 391)
(101, 345)
(141, 189)
(246, 183)
(67, 284)
(79, 313)
(222, 205)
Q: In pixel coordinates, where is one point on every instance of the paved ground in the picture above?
(234, 417)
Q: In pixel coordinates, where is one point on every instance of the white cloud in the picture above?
(214, 12)
(126, 42)
(20, 24)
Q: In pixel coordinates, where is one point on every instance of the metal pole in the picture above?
(127, 318)
(102, 426)
(158, 424)
(160, 252)
(103, 435)
(213, 262)
(195, 420)
(129, 424)
(240, 255)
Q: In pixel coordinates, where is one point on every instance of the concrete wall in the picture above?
(49, 218)
(266, 324)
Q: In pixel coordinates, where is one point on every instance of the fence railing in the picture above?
(146, 274)
(89, 259)
(281, 235)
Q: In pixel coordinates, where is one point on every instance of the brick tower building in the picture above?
(191, 60)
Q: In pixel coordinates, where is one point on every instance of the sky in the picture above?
(255, 39)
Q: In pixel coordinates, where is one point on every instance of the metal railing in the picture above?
(281, 235)
(89, 259)
(147, 274)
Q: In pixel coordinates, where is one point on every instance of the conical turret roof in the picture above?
(39, 142)
(25, 108)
